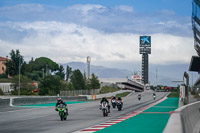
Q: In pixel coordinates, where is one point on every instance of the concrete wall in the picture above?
(4, 102)
(107, 94)
(38, 100)
(26, 100)
(185, 119)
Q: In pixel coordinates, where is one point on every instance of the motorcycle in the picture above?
(62, 112)
(139, 97)
(104, 108)
(113, 103)
(154, 97)
(119, 105)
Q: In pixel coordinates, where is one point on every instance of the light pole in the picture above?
(156, 79)
(88, 62)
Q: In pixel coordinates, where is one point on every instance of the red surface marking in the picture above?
(127, 117)
(112, 122)
(155, 112)
(117, 120)
(106, 124)
(90, 130)
(100, 126)
(171, 112)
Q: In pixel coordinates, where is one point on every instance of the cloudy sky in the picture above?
(106, 30)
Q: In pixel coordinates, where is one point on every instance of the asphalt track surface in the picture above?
(83, 115)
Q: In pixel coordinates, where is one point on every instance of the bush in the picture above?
(173, 94)
(23, 91)
(124, 94)
(193, 92)
(1, 92)
(107, 89)
(3, 76)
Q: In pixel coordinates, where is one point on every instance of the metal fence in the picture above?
(79, 92)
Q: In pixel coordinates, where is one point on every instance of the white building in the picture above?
(123, 83)
(6, 87)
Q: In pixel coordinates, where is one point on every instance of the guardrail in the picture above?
(185, 119)
(37, 100)
(79, 92)
(25, 100)
(4, 102)
(106, 95)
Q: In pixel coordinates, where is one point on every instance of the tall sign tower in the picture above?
(145, 50)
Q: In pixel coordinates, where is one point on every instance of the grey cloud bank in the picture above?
(108, 19)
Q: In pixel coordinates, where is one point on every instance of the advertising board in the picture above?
(145, 41)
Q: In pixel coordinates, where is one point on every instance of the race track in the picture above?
(82, 115)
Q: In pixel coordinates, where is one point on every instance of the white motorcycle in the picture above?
(113, 102)
(104, 108)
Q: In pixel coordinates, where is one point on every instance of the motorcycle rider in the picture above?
(104, 99)
(120, 99)
(154, 96)
(113, 98)
(139, 96)
(60, 101)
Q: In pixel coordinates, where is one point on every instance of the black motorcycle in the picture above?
(119, 105)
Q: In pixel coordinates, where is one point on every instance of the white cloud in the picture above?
(84, 9)
(125, 8)
(117, 19)
(65, 42)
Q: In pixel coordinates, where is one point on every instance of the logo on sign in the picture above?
(145, 41)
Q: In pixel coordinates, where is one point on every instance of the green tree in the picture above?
(1, 92)
(68, 72)
(45, 63)
(87, 81)
(50, 85)
(77, 80)
(26, 85)
(61, 72)
(39, 67)
(94, 82)
(13, 64)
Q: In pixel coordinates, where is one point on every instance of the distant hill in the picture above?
(166, 74)
(100, 71)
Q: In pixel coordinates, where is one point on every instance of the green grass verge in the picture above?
(107, 89)
(173, 94)
(5, 80)
(123, 94)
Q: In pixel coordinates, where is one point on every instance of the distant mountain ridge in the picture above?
(165, 76)
(100, 71)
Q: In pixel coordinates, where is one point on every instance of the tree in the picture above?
(68, 72)
(50, 85)
(1, 92)
(46, 63)
(26, 85)
(13, 64)
(77, 80)
(94, 82)
(36, 69)
(61, 72)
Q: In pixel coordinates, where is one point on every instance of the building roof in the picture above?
(195, 64)
(3, 59)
